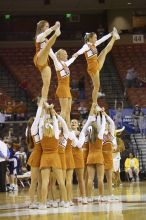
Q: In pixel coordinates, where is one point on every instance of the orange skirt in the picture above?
(63, 91)
(35, 158)
(39, 67)
(108, 156)
(95, 157)
(70, 164)
(61, 152)
(50, 160)
(78, 158)
(93, 66)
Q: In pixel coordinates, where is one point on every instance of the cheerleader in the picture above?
(33, 141)
(50, 160)
(63, 74)
(94, 62)
(107, 149)
(62, 144)
(95, 160)
(85, 155)
(61, 151)
(79, 163)
(43, 46)
(70, 165)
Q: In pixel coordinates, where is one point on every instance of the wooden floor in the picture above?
(131, 207)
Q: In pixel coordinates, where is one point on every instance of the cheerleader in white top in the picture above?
(33, 141)
(63, 136)
(50, 160)
(63, 74)
(79, 162)
(43, 46)
(107, 149)
(95, 160)
(94, 61)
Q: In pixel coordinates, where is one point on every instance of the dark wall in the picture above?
(88, 22)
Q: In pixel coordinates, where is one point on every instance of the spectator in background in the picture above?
(14, 113)
(21, 155)
(4, 155)
(83, 112)
(142, 124)
(9, 110)
(2, 119)
(2, 100)
(81, 87)
(20, 110)
(11, 137)
(131, 78)
(118, 114)
(137, 113)
(22, 143)
(13, 164)
(132, 167)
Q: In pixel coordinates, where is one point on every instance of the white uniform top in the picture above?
(59, 65)
(111, 125)
(99, 122)
(73, 138)
(98, 42)
(35, 125)
(81, 140)
(63, 140)
(55, 126)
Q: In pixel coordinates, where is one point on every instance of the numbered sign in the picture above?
(138, 38)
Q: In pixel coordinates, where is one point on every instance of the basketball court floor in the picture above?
(131, 206)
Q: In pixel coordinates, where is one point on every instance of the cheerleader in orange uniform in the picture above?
(85, 156)
(61, 151)
(79, 163)
(63, 74)
(43, 46)
(35, 157)
(94, 62)
(70, 165)
(62, 144)
(95, 160)
(50, 160)
(107, 149)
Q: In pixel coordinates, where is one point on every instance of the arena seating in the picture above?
(19, 61)
(126, 57)
(4, 98)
